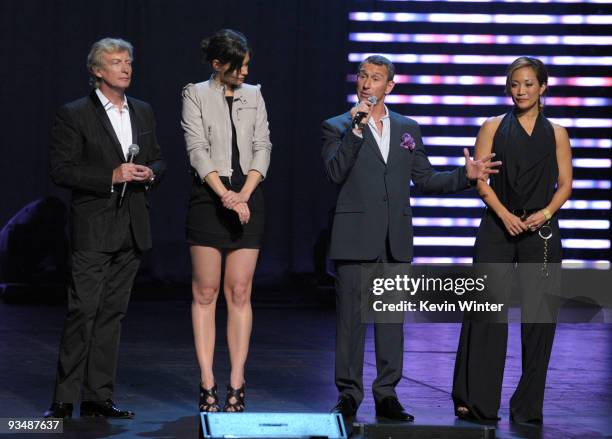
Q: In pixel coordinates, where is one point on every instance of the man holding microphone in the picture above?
(104, 149)
(373, 154)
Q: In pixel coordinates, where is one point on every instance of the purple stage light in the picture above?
(475, 222)
(566, 263)
(468, 241)
(477, 121)
(412, 58)
(456, 60)
(508, 1)
(584, 81)
(470, 141)
(404, 17)
(550, 101)
(571, 40)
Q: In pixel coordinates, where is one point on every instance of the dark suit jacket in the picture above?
(84, 152)
(374, 198)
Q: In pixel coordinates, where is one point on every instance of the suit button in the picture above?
(385, 198)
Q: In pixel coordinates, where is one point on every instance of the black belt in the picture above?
(523, 214)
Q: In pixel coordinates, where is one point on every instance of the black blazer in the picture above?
(84, 152)
(374, 198)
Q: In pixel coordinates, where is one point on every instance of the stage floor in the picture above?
(290, 369)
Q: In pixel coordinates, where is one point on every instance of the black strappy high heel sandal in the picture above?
(209, 402)
(234, 400)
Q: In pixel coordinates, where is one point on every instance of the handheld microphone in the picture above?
(361, 114)
(133, 151)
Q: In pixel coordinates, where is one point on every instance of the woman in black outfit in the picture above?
(226, 131)
(519, 225)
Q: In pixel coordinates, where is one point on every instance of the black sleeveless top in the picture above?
(528, 175)
(237, 178)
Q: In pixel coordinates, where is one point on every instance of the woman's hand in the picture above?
(535, 220)
(231, 198)
(243, 211)
(513, 224)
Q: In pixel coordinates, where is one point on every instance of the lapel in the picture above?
(133, 121)
(369, 139)
(106, 123)
(394, 137)
(239, 96)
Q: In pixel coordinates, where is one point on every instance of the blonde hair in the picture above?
(108, 45)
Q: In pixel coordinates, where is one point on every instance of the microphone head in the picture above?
(372, 100)
(133, 149)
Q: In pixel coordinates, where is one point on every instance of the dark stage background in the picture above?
(449, 66)
(299, 58)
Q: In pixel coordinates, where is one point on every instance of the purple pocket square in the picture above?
(407, 142)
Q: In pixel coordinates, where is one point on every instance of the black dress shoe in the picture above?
(59, 410)
(390, 409)
(346, 406)
(106, 409)
(519, 420)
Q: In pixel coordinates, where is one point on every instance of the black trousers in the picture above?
(98, 298)
(479, 365)
(350, 338)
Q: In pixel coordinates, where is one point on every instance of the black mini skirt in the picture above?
(212, 225)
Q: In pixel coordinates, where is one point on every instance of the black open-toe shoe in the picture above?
(209, 402)
(234, 400)
(465, 414)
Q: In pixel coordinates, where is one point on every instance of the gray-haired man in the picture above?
(92, 154)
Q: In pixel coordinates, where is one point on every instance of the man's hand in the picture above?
(131, 172)
(364, 106)
(480, 169)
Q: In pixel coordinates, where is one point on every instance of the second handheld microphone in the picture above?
(133, 151)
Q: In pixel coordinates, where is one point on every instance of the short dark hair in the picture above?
(226, 45)
(379, 60)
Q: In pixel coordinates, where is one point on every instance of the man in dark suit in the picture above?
(373, 159)
(90, 154)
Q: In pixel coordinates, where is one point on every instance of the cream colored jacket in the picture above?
(208, 129)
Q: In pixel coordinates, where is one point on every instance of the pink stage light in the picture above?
(477, 202)
(412, 58)
(404, 17)
(470, 141)
(477, 121)
(571, 40)
(509, 1)
(486, 100)
(584, 81)
(566, 263)
(475, 222)
(468, 241)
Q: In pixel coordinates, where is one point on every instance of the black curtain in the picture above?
(299, 57)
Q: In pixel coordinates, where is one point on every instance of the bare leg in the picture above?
(206, 277)
(239, 270)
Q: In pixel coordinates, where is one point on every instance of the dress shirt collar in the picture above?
(107, 104)
(383, 119)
